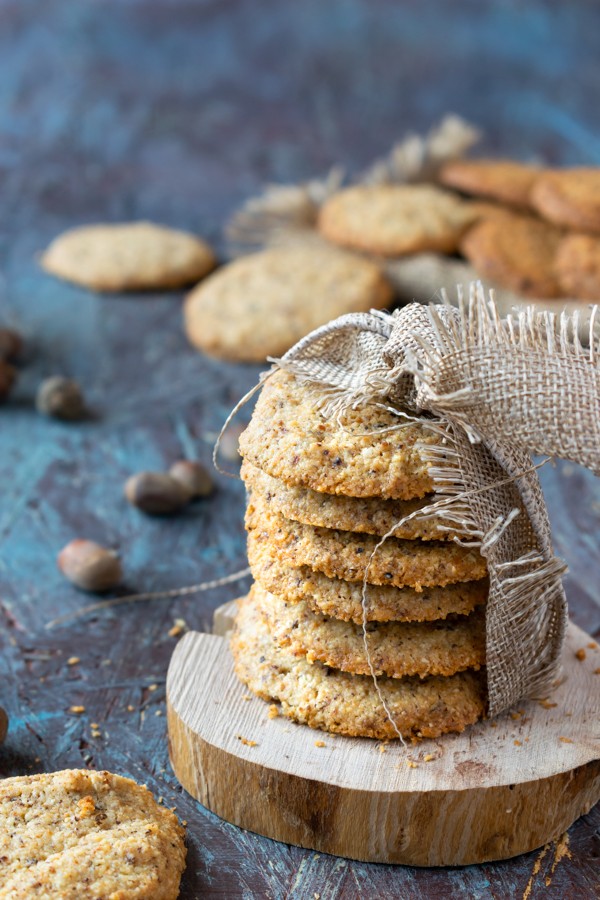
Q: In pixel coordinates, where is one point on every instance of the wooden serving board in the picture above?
(501, 788)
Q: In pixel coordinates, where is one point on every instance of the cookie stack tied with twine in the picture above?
(388, 463)
(351, 581)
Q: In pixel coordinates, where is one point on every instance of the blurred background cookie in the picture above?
(569, 197)
(504, 180)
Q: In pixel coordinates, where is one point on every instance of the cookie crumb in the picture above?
(152, 687)
(580, 654)
(515, 715)
(73, 660)
(320, 744)
(246, 697)
(179, 626)
(547, 704)
(246, 741)
(517, 743)
(382, 748)
(130, 708)
(273, 711)
(158, 712)
(597, 671)
(565, 740)
(592, 645)
(77, 710)
(411, 764)
(428, 757)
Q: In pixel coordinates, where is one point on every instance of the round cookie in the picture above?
(80, 834)
(396, 649)
(499, 179)
(578, 266)
(342, 600)
(517, 252)
(392, 220)
(343, 554)
(369, 514)
(135, 256)
(569, 198)
(338, 702)
(359, 456)
(262, 304)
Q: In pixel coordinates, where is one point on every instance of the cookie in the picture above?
(357, 455)
(499, 179)
(342, 600)
(81, 834)
(262, 304)
(344, 554)
(313, 694)
(396, 649)
(135, 256)
(392, 220)
(578, 266)
(569, 198)
(517, 252)
(369, 514)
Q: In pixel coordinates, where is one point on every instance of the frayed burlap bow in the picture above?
(495, 391)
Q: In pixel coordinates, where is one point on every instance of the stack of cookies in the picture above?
(321, 495)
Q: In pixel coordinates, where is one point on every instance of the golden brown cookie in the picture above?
(578, 266)
(499, 179)
(342, 600)
(136, 256)
(396, 649)
(81, 834)
(344, 554)
(261, 304)
(569, 197)
(338, 702)
(517, 252)
(367, 514)
(358, 456)
(392, 220)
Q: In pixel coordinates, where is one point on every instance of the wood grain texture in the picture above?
(500, 789)
(176, 111)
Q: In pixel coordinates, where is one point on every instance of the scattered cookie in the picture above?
(517, 252)
(365, 454)
(135, 256)
(396, 649)
(569, 198)
(499, 179)
(340, 599)
(392, 220)
(578, 266)
(262, 304)
(334, 701)
(343, 554)
(369, 514)
(81, 834)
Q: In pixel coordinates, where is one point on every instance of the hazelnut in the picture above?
(156, 493)
(11, 344)
(8, 376)
(194, 477)
(90, 566)
(60, 398)
(229, 445)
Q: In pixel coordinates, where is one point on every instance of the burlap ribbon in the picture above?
(495, 391)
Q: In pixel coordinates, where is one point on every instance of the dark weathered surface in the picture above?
(176, 111)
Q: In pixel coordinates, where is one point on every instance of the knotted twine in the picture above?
(495, 391)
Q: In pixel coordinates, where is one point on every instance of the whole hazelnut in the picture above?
(229, 445)
(194, 477)
(60, 398)
(8, 376)
(90, 566)
(11, 344)
(156, 493)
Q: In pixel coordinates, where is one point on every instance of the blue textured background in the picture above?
(177, 111)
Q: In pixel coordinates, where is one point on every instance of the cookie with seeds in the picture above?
(578, 266)
(396, 649)
(518, 252)
(337, 702)
(393, 220)
(569, 198)
(346, 555)
(367, 452)
(262, 304)
(498, 179)
(342, 600)
(80, 834)
(369, 514)
(134, 256)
